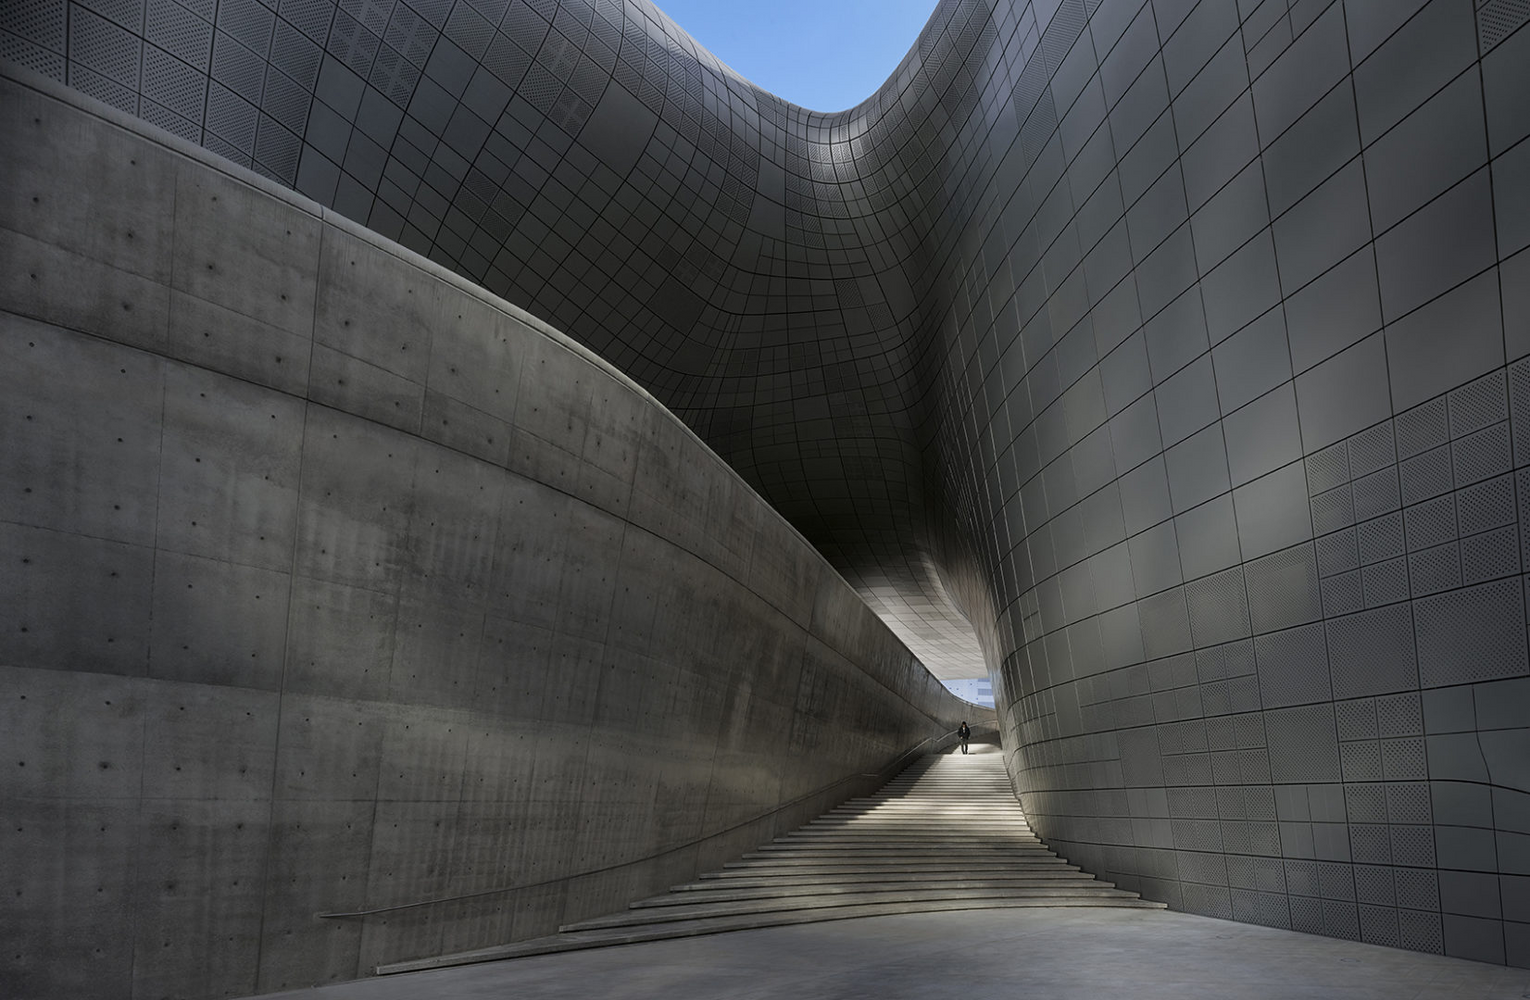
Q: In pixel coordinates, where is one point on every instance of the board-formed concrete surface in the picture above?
(1168, 360)
(972, 955)
(333, 585)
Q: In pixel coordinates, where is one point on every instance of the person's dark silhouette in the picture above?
(965, 733)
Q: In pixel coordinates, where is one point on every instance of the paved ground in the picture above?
(973, 955)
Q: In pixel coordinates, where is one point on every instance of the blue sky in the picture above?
(827, 55)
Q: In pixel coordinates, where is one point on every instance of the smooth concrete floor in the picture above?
(1054, 954)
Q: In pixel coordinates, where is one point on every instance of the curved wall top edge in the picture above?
(308, 681)
(332, 220)
(677, 88)
(54, 90)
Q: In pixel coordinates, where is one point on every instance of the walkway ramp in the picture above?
(946, 834)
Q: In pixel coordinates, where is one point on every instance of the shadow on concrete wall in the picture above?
(334, 584)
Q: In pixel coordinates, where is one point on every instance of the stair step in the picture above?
(937, 824)
(906, 837)
(945, 816)
(799, 880)
(947, 834)
(923, 810)
(655, 915)
(896, 858)
(892, 827)
(742, 870)
(679, 896)
(663, 932)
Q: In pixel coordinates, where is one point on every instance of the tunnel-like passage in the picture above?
(1169, 358)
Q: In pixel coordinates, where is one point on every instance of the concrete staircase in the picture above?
(946, 834)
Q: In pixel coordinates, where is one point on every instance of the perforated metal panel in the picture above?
(1403, 759)
(1356, 719)
(1486, 505)
(1267, 908)
(180, 32)
(1372, 450)
(1476, 633)
(1519, 410)
(127, 13)
(1489, 556)
(1218, 608)
(1400, 715)
(276, 149)
(1431, 523)
(1303, 745)
(28, 54)
(1282, 589)
(106, 90)
(1413, 845)
(169, 120)
(1341, 920)
(1479, 404)
(1342, 594)
(1408, 802)
(1373, 884)
(1360, 761)
(283, 99)
(1426, 475)
(1380, 539)
(1307, 915)
(226, 150)
(173, 84)
(1481, 455)
(1378, 925)
(1333, 510)
(1377, 493)
(1422, 428)
(1497, 19)
(1302, 877)
(1420, 931)
(43, 23)
(1369, 843)
(1372, 652)
(1293, 667)
(353, 44)
(247, 22)
(232, 119)
(104, 48)
(1337, 553)
(1328, 469)
(1417, 889)
(1434, 570)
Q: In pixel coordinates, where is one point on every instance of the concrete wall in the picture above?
(332, 583)
(1180, 346)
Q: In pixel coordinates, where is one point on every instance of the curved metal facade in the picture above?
(1175, 345)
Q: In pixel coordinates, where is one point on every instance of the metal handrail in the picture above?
(658, 854)
(898, 759)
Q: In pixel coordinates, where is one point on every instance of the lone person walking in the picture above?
(965, 733)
